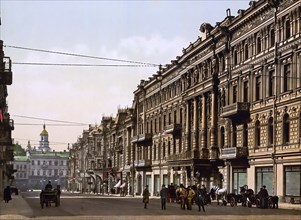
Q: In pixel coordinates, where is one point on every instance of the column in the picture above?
(203, 145)
(187, 127)
(195, 125)
(214, 148)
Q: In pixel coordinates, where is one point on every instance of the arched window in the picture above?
(271, 131)
(245, 135)
(222, 137)
(286, 129)
(257, 134)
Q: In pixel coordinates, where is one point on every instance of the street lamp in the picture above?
(159, 77)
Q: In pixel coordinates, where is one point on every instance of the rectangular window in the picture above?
(257, 88)
(156, 184)
(234, 94)
(293, 180)
(165, 180)
(246, 91)
(264, 176)
(271, 83)
(38, 162)
(149, 181)
(286, 77)
(239, 179)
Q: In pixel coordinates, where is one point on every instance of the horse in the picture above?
(218, 194)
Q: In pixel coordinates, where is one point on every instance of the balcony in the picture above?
(143, 163)
(234, 152)
(173, 129)
(182, 156)
(142, 138)
(6, 76)
(236, 110)
(7, 124)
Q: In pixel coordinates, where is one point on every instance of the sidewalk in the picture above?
(18, 208)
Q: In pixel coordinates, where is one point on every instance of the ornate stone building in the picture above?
(6, 124)
(226, 112)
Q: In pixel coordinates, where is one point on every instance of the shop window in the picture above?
(264, 176)
(292, 180)
(239, 179)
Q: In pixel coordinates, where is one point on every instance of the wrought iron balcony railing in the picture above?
(173, 129)
(235, 109)
(234, 152)
(141, 138)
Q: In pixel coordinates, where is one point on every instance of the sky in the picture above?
(142, 31)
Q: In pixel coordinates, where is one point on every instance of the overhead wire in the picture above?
(80, 55)
(79, 65)
(53, 120)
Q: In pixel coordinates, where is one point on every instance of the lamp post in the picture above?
(160, 78)
(275, 4)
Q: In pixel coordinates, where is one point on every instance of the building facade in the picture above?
(6, 124)
(226, 112)
(41, 165)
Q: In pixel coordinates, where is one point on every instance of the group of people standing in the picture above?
(186, 196)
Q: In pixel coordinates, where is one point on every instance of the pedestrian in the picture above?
(163, 195)
(201, 193)
(264, 197)
(145, 195)
(190, 197)
(7, 194)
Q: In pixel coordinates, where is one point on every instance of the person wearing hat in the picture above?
(163, 195)
(200, 199)
(145, 195)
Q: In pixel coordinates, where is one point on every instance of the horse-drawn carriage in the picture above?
(50, 196)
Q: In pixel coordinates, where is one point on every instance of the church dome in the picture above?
(44, 132)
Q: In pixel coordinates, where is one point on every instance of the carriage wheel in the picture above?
(232, 201)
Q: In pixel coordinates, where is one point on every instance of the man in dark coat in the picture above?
(201, 194)
(7, 194)
(163, 195)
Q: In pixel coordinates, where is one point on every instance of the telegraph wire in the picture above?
(80, 65)
(63, 125)
(80, 55)
(53, 120)
(38, 141)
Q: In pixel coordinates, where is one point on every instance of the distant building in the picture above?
(41, 165)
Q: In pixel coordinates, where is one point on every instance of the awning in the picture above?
(118, 184)
(123, 185)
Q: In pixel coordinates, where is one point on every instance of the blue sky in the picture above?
(145, 31)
